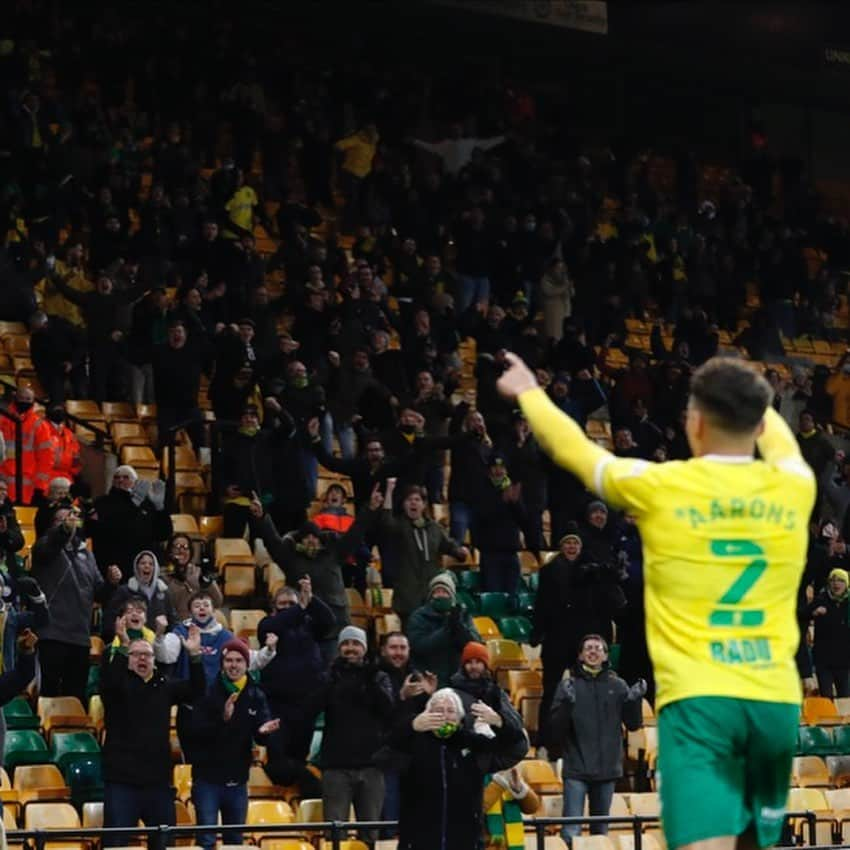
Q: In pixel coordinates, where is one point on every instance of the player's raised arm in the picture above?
(560, 436)
(777, 443)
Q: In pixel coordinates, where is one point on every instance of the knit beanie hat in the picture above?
(475, 650)
(839, 573)
(236, 645)
(352, 633)
(597, 505)
(445, 580)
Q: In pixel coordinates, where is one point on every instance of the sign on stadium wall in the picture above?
(591, 16)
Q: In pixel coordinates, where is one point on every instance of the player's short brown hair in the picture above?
(731, 394)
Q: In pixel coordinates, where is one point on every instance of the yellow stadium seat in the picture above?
(645, 804)
(139, 457)
(211, 526)
(487, 628)
(119, 411)
(49, 816)
(626, 841)
(40, 782)
(523, 684)
(62, 713)
(182, 781)
(184, 524)
(26, 514)
(9, 822)
(128, 434)
(592, 842)
(540, 775)
(809, 772)
(7, 793)
(348, 844)
(838, 800)
(309, 811)
(810, 800)
(232, 550)
(506, 654)
(244, 621)
(95, 649)
(550, 842)
(267, 812)
(185, 460)
(184, 816)
(820, 710)
(240, 580)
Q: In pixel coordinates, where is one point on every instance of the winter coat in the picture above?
(590, 726)
(437, 639)
(296, 669)
(418, 552)
(469, 469)
(832, 632)
(357, 700)
(224, 749)
(442, 785)
(123, 529)
(557, 294)
(138, 721)
(71, 582)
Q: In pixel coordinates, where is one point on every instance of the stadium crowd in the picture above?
(316, 250)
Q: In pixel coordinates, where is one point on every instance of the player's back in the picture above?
(724, 547)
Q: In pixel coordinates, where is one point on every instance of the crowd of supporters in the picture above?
(136, 173)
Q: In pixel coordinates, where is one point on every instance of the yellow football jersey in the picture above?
(724, 542)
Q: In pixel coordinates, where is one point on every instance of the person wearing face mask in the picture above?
(440, 629)
(417, 543)
(37, 456)
(443, 764)
(72, 583)
(185, 578)
(357, 699)
(144, 582)
(64, 445)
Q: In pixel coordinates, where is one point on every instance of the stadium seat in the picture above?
(841, 740)
(128, 434)
(469, 580)
(525, 603)
(592, 842)
(495, 605)
(260, 785)
(810, 800)
(515, 628)
(523, 684)
(40, 782)
(92, 815)
(244, 621)
(646, 804)
(182, 781)
(62, 713)
(838, 801)
(309, 811)
(506, 654)
(24, 746)
(139, 457)
(540, 775)
(19, 714)
(67, 746)
(118, 411)
(626, 841)
(184, 524)
(267, 812)
(820, 710)
(839, 770)
(486, 627)
(49, 816)
(84, 776)
(815, 740)
(346, 844)
(211, 526)
(550, 842)
(468, 601)
(809, 771)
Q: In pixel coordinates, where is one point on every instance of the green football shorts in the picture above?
(724, 766)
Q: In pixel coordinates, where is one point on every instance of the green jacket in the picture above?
(437, 640)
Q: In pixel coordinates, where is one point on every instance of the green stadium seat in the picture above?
(515, 628)
(85, 779)
(66, 747)
(495, 605)
(468, 601)
(815, 741)
(93, 683)
(24, 746)
(315, 747)
(840, 739)
(19, 714)
(533, 581)
(525, 603)
(469, 580)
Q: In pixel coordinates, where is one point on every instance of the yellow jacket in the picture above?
(358, 152)
(54, 303)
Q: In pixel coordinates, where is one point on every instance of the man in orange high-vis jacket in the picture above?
(37, 450)
(64, 446)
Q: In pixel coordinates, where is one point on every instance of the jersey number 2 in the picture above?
(730, 614)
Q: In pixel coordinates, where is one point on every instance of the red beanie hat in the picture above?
(475, 650)
(237, 645)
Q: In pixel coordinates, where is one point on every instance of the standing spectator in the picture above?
(442, 781)
(469, 459)
(19, 664)
(557, 291)
(137, 701)
(473, 260)
(185, 578)
(37, 458)
(177, 368)
(130, 518)
(815, 446)
(417, 543)
(64, 445)
(440, 629)
(72, 583)
(233, 714)
(588, 712)
(148, 330)
(57, 355)
(301, 621)
(358, 152)
(498, 516)
(455, 151)
(524, 456)
(357, 700)
(831, 649)
(11, 537)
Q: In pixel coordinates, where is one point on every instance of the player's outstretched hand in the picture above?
(516, 379)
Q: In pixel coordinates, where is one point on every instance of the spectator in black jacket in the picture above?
(236, 369)
(226, 723)
(831, 650)
(137, 754)
(177, 369)
(58, 355)
(469, 465)
(526, 459)
(357, 699)
(148, 329)
(497, 519)
(130, 518)
(301, 621)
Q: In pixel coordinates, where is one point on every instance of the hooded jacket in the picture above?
(437, 640)
(156, 594)
(589, 727)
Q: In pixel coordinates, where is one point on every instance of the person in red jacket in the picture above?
(36, 445)
(64, 445)
(333, 516)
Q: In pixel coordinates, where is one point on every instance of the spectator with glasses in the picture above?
(184, 578)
